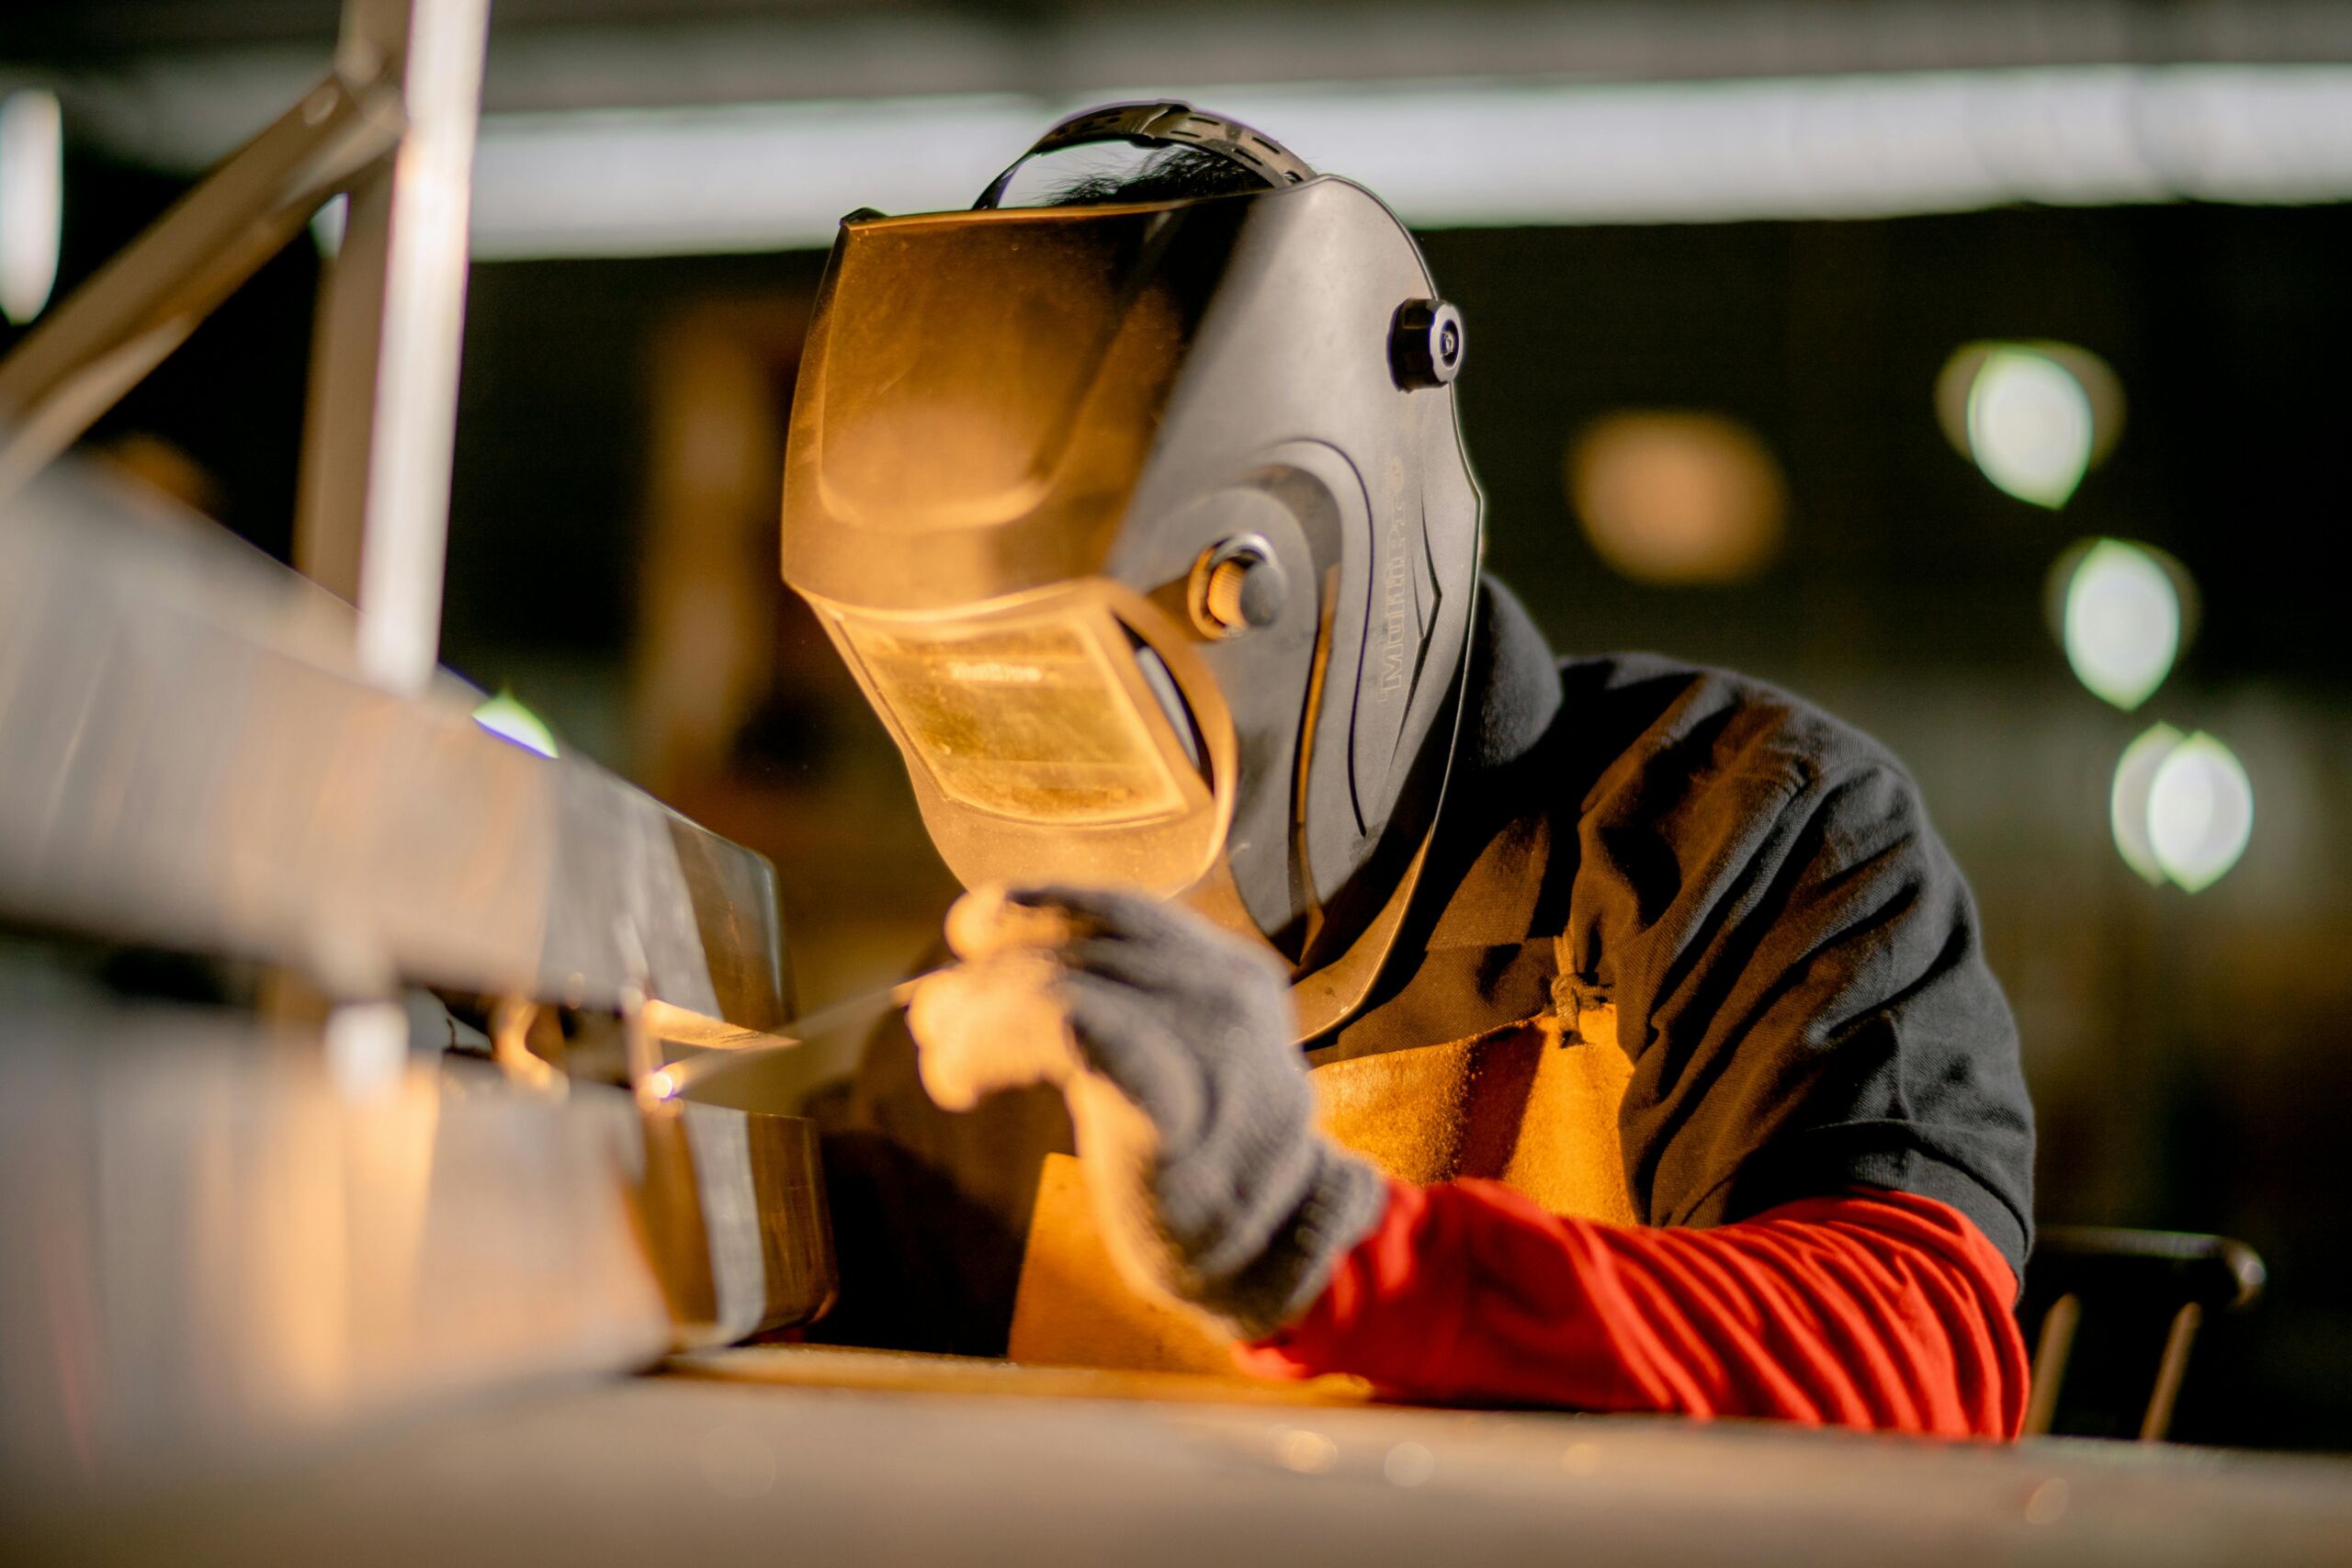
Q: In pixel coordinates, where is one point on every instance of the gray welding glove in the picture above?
(1171, 1042)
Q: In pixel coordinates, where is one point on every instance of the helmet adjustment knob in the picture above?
(1235, 587)
(1425, 344)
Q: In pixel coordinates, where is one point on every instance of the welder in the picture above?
(1605, 1032)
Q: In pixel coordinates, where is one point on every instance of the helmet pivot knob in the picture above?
(1425, 344)
(1236, 586)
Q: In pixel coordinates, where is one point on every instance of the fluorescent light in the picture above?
(1459, 154)
(32, 199)
(743, 178)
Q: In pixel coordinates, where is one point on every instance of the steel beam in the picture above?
(214, 1244)
(192, 757)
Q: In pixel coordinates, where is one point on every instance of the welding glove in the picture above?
(1171, 1042)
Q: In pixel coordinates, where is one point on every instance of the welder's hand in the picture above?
(1171, 1042)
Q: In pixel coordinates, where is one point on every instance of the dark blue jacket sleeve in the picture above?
(1794, 960)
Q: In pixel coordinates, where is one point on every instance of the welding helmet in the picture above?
(1147, 529)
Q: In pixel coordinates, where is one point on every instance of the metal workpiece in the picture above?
(228, 1234)
(232, 1233)
(224, 1237)
(190, 758)
(212, 1242)
(733, 1203)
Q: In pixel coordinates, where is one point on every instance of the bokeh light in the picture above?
(2182, 807)
(2034, 417)
(2201, 812)
(32, 199)
(1678, 498)
(2135, 778)
(2121, 619)
(2030, 427)
(505, 717)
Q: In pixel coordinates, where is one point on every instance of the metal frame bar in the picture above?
(100, 343)
(2173, 1367)
(2051, 1353)
(373, 522)
(392, 126)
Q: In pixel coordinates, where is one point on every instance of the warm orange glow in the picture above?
(1026, 719)
(1677, 497)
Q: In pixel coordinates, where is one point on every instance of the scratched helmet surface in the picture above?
(1147, 530)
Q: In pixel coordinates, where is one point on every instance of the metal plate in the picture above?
(213, 1247)
(188, 759)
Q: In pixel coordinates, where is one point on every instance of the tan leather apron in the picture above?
(1532, 1102)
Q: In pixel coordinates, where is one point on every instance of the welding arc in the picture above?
(683, 1074)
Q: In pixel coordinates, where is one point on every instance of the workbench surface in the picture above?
(807, 1456)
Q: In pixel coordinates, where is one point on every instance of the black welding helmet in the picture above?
(1147, 529)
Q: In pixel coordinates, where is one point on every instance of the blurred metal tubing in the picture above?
(188, 757)
(143, 303)
(391, 129)
(205, 1243)
(374, 519)
(1459, 154)
(211, 1248)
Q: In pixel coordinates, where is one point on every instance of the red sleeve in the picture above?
(1871, 1309)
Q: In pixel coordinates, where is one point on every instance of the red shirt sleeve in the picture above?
(1872, 1309)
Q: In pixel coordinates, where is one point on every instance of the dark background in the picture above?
(2191, 1056)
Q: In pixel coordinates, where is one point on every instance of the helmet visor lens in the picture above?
(1029, 719)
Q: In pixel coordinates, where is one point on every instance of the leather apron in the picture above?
(1528, 1095)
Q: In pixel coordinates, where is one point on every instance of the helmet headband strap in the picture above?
(1163, 123)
